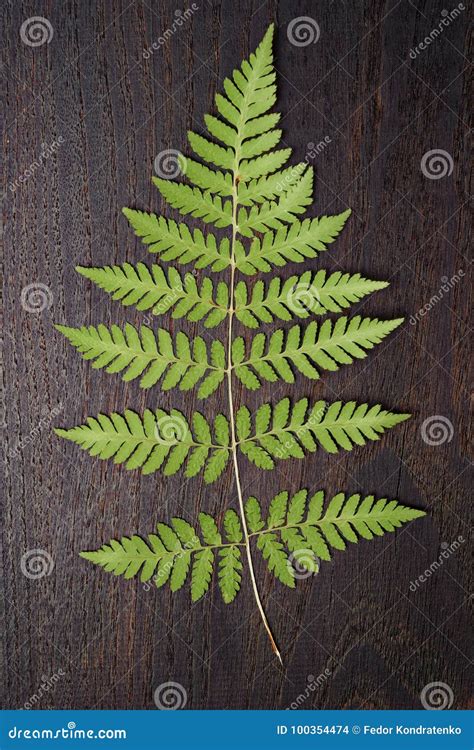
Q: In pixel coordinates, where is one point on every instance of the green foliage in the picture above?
(311, 293)
(327, 347)
(239, 183)
(272, 214)
(162, 291)
(156, 440)
(169, 555)
(296, 243)
(280, 432)
(284, 431)
(196, 202)
(296, 535)
(149, 356)
(176, 242)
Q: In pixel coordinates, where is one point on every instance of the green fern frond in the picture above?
(176, 242)
(296, 534)
(296, 243)
(155, 440)
(324, 347)
(311, 293)
(151, 355)
(163, 291)
(282, 431)
(237, 182)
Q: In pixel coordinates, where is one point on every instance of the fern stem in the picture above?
(232, 423)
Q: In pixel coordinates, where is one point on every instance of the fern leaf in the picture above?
(277, 559)
(127, 557)
(346, 519)
(209, 530)
(277, 511)
(211, 152)
(250, 93)
(176, 242)
(232, 526)
(158, 439)
(272, 214)
(230, 567)
(151, 356)
(252, 169)
(253, 514)
(169, 555)
(237, 182)
(300, 296)
(333, 344)
(295, 243)
(214, 181)
(300, 428)
(163, 291)
(201, 204)
(270, 186)
(202, 572)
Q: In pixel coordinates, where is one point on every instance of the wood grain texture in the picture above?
(115, 111)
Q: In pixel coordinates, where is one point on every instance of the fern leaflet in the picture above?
(155, 440)
(300, 296)
(176, 242)
(326, 348)
(284, 431)
(163, 291)
(149, 356)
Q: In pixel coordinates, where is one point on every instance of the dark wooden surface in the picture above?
(115, 642)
